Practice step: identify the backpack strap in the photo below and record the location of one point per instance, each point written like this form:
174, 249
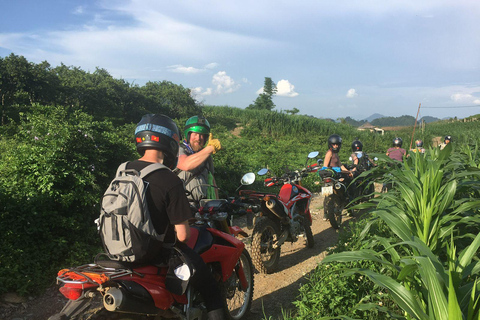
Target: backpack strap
151, 168
121, 167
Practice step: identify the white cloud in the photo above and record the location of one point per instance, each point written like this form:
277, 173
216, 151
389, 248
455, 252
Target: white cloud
462, 97
476, 101
79, 10
200, 92
212, 65
286, 89
178, 68
224, 83
351, 93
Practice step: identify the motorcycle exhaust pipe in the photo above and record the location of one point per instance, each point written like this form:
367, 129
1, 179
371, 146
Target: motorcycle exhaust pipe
277, 209
120, 300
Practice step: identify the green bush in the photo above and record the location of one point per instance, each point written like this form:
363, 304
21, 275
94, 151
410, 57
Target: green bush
328, 295
53, 171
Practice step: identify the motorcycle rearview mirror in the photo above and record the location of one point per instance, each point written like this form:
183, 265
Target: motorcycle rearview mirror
312, 154
320, 161
359, 155
248, 179
262, 172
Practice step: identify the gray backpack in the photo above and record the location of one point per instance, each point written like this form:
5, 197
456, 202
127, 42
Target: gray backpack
125, 226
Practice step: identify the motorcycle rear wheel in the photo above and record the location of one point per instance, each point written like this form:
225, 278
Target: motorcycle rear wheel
237, 300
265, 233
92, 309
333, 210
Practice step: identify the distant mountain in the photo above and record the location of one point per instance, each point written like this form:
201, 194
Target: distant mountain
373, 117
429, 119
394, 121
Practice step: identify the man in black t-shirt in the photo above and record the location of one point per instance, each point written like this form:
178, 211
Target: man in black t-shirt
157, 138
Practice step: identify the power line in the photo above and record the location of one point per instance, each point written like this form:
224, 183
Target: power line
449, 107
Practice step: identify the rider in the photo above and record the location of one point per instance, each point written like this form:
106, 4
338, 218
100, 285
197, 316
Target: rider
360, 159
397, 152
446, 141
157, 138
195, 164
332, 160
419, 146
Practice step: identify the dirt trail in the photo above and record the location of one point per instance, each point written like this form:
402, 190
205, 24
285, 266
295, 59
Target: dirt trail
272, 292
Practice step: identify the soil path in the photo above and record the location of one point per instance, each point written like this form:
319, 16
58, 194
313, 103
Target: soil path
272, 292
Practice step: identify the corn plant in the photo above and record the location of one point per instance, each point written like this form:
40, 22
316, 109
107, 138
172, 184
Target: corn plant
428, 280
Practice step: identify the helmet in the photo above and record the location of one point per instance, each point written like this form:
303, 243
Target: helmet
196, 124
397, 142
157, 131
447, 138
357, 146
419, 143
334, 139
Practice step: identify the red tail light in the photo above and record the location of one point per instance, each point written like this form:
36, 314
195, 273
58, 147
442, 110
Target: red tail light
71, 292
328, 180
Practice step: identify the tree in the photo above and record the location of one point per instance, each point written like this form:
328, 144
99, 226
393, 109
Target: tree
293, 111
264, 99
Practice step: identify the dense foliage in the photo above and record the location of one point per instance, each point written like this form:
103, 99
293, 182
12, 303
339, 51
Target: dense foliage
425, 258
64, 131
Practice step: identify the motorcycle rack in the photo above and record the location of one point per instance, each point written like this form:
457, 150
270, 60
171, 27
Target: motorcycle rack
82, 271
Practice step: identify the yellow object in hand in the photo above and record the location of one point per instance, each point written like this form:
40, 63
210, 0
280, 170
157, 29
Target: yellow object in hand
215, 143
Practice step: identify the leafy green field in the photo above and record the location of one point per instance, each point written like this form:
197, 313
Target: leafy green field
65, 131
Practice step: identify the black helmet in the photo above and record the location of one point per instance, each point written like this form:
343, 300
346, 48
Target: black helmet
397, 142
157, 131
357, 146
334, 139
419, 143
447, 138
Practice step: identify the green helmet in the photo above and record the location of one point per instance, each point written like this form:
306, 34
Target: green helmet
196, 124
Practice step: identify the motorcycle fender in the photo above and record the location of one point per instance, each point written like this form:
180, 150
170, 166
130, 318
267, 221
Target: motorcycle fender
236, 230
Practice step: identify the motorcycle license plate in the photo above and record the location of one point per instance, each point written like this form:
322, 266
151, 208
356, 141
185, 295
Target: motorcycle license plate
326, 191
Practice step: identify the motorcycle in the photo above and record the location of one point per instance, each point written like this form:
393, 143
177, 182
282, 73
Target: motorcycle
283, 217
334, 190
340, 190
113, 289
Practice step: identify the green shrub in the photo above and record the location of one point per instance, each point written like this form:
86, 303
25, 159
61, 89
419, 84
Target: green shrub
53, 171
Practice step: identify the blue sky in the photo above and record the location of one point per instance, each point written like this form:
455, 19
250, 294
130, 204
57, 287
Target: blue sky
329, 59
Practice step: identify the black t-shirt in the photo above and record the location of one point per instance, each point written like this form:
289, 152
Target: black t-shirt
166, 199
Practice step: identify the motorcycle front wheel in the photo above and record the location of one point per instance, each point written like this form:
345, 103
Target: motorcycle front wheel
310, 241
264, 256
333, 210
238, 300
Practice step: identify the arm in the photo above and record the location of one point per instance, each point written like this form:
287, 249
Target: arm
328, 157
183, 231
190, 162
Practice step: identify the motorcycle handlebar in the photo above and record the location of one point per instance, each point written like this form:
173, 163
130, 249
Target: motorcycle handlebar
292, 176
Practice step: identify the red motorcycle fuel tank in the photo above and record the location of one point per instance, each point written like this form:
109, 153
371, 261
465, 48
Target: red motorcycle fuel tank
287, 192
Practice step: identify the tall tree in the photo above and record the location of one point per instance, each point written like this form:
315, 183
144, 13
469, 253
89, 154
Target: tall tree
264, 100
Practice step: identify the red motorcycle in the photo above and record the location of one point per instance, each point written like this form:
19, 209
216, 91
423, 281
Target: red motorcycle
111, 290
283, 217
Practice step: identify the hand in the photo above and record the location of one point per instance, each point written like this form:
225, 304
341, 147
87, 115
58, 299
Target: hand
215, 143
